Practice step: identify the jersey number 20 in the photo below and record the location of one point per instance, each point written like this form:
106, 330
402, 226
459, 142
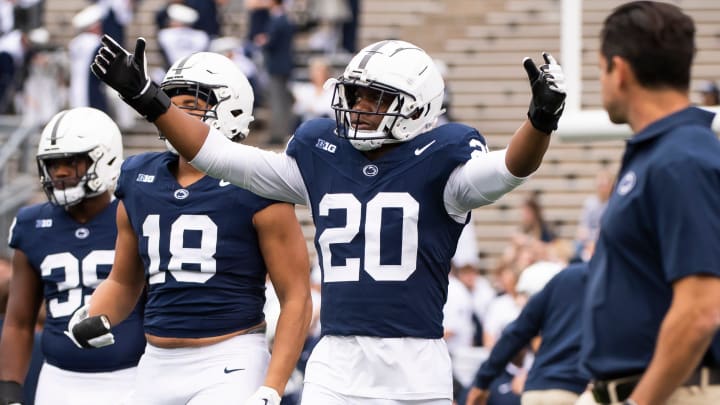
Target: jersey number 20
350, 271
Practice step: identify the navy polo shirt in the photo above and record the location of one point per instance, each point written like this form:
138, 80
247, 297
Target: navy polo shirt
553, 313
662, 223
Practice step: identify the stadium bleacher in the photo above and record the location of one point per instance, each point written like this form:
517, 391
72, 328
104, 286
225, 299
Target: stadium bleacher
482, 44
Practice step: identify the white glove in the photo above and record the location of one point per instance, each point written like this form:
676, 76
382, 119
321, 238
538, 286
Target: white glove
264, 396
89, 332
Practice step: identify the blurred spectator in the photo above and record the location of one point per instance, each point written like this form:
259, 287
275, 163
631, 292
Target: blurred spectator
47, 74
330, 15
15, 50
28, 14
86, 90
350, 27
504, 308
119, 14
207, 20
553, 312
233, 49
179, 39
501, 389
7, 19
463, 328
277, 46
258, 18
710, 94
593, 208
208, 16
161, 15
312, 99
532, 222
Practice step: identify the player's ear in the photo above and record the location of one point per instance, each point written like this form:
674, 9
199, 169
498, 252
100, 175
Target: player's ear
623, 71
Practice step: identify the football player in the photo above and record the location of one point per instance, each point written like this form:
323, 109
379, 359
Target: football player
206, 247
389, 194
63, 249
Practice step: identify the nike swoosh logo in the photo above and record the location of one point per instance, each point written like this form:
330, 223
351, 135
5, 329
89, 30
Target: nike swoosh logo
418, 151
224, 183
232, 370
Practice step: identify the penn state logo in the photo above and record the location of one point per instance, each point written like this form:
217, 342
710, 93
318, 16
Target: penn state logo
370, 170
627, 183
82, 233
181, 194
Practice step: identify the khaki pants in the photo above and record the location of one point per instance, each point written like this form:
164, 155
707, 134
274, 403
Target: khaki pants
694, 395
548, 397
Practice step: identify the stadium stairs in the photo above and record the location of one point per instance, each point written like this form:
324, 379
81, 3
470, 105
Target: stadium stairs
482, 44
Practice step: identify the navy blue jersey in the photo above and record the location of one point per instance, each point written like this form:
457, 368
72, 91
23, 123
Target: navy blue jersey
206, 274
383, 236
72, 259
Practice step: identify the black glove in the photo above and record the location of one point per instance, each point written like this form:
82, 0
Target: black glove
11, 393
127, 73
548, 93
89, 332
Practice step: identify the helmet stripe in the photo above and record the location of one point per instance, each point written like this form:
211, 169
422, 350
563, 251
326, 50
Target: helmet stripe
181, 65
369, 54
53, 136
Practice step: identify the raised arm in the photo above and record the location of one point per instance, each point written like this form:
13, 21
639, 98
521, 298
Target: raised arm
529, 143
484, 179
269, 174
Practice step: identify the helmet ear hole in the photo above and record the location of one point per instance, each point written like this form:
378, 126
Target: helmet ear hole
236, 113
419, 112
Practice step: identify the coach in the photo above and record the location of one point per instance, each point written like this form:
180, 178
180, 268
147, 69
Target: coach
653, 305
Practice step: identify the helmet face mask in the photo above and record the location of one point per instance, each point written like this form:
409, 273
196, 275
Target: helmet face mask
216, 80
204, 97
69, 189
393, 69
85, 143
385, 105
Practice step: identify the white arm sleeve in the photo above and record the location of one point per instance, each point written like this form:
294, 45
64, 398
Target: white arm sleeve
480, 181
269, 174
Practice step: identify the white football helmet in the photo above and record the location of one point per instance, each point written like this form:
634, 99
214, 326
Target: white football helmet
219, 82
401, 70
82, 132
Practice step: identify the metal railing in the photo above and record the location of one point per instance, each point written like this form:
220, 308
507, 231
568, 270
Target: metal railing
18, 178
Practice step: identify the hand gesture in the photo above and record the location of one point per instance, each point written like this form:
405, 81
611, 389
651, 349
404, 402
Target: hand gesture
127, 73
123, 71
89, 332
548, 93
264, 396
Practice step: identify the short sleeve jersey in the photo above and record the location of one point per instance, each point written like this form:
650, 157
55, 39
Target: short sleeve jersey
71, 259
200, 250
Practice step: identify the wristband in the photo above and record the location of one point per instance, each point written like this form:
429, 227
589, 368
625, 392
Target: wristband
151, 103
11, 393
